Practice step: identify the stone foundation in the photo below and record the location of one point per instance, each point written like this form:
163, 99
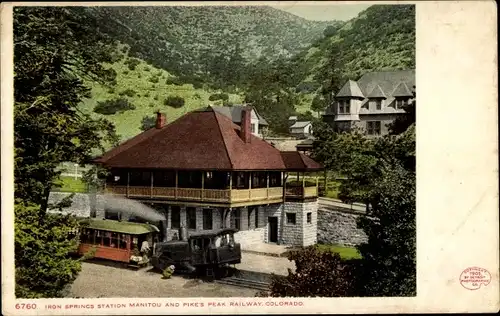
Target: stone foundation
337, 226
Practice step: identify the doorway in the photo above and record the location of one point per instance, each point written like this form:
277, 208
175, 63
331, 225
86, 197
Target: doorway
273, 228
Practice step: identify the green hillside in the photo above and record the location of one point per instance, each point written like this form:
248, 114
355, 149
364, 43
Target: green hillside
381, 38
195, 41
276, 60
148, 88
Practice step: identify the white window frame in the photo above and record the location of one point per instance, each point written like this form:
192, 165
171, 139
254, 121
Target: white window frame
344, 107
374, 127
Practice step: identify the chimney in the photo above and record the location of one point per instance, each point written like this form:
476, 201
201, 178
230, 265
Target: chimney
160, 119
245, 132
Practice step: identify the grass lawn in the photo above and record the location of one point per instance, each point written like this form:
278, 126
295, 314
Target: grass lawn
70, 184
344, 252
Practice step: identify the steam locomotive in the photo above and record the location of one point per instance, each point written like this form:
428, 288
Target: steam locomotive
214, 250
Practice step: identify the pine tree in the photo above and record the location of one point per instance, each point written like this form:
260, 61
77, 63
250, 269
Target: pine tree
56, 51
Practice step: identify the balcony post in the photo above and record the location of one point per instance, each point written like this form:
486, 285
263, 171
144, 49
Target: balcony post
151, 184
250, 185
267, 183
303, 184
128, 181
176, 182
230, 187
202, 183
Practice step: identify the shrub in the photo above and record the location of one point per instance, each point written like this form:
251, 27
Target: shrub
111, 90
313, 268
126, 72
153, 79
110, 107
132, 63
174, 81
146, 94
174, 101
148, 122
146, 68
218, 96
128, 93
156, 98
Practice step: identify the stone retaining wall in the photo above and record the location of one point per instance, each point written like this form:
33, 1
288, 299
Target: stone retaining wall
338, 226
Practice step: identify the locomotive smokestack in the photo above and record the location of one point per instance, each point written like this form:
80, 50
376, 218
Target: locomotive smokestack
163, 229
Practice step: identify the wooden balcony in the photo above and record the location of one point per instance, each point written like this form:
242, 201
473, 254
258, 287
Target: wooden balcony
299, 192
228, 197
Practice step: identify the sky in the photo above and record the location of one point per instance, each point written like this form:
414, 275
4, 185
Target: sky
323, 12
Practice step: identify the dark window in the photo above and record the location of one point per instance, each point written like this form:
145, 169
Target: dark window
216, 180
259, 180
373, 128
237, 219
347, 107
140, 178
378, 104
98, 237
175, 217
309, 217
401, 103
164, 178
189, 179
123, 241
117, 177
191, 217
290, 218
240, 180
253, 128
207, 219
275, 179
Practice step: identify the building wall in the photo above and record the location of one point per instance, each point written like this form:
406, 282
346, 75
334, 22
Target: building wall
301, 233
254, 121
385, 121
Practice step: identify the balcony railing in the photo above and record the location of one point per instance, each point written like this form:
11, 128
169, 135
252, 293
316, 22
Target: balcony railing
301, 192
203, 195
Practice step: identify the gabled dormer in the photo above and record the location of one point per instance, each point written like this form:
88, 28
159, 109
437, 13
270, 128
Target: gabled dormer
401, 95
375, 99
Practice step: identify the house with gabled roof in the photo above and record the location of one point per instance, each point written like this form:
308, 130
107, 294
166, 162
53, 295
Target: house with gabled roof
372, 103
258, 123
205, 172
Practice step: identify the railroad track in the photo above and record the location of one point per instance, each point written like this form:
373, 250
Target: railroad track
247, 283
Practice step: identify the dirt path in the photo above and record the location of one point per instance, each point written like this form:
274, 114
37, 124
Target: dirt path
97, 280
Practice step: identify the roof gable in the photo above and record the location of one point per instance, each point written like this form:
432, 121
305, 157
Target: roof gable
350, 89
300, 124
402, 91
386, 80
376, 93
295, 160
234, 113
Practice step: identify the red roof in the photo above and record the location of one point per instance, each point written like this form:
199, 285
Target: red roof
203, 140
297, 161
